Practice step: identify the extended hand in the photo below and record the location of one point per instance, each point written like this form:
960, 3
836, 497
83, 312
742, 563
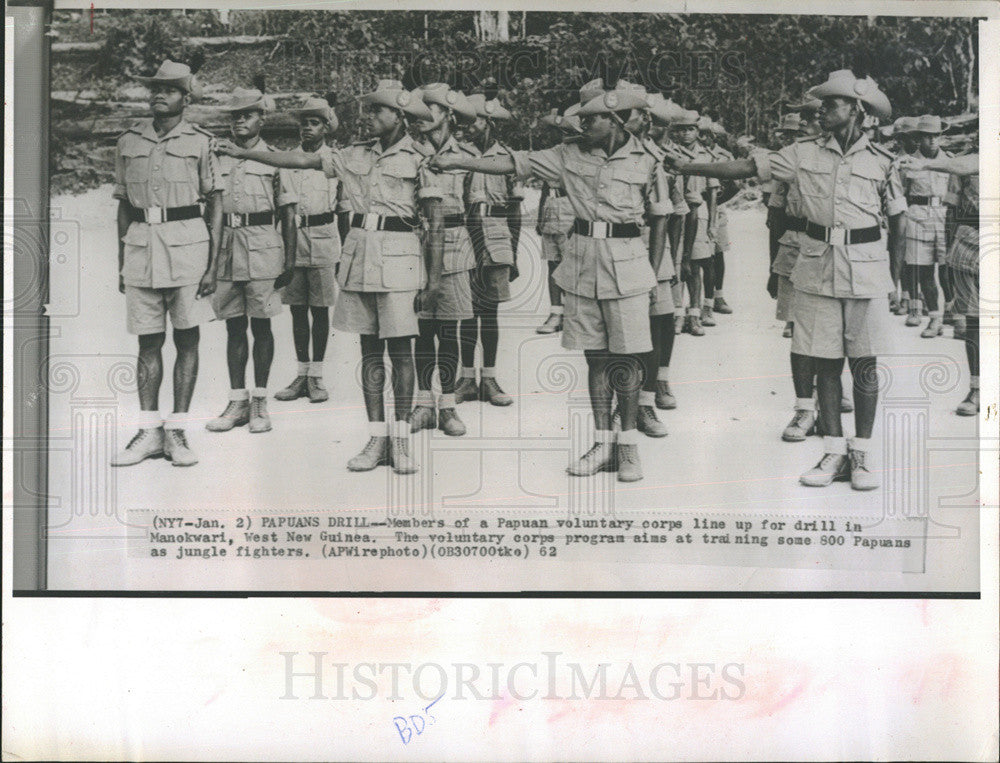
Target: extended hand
908, 162
772, 285
226, 147
442, 163
206, 285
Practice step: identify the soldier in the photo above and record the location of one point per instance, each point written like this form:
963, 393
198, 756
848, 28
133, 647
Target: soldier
611, 181
696, 266
313, 288
962, 199
808, 110
905, 144
498, 212
841, 276
925, 228
166, 254
440, 322
555, 222
712, 137
255, 260
788, 129
381, 269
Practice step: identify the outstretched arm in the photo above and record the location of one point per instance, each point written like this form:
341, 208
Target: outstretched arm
294, 160
489, 165
734, 170
956, 165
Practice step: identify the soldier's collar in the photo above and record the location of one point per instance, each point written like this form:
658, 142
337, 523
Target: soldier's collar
181, 128
404, 142
860, 144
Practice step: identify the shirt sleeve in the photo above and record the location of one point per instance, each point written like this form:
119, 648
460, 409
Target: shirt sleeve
895, 197
475, 188
658, 193
677, 195
427, 183
779, 165
284, 189
121, 191
331, 161
544, 165
779, 195
209, 171
954, 195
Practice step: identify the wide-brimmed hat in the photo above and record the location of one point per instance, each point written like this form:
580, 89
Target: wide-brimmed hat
613, 100
844, 84
442, 95
588, 92
247, 98
705, 123
687, 118
175, 74
928, 123
718, 129
807, 103
491, 109
789, 123
318, 107
391, 93
663, 110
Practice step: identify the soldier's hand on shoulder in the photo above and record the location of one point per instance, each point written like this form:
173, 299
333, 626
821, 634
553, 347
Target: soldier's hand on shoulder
441, 163
908, 162
226, 147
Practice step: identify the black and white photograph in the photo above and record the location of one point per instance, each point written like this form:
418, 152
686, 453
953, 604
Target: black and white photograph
374, 311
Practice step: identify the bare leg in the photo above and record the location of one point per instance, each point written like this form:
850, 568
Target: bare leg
149, 370
185, 367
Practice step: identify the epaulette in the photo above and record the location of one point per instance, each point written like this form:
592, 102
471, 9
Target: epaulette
202, 130
367, 143
878, 149
424, 149
468, 147
807, 138
136, 127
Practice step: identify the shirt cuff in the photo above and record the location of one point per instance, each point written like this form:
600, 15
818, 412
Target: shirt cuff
287, 198
326, 164
120, 193
763, 163
428, 192
522, 163
660, 208
895, 206
681, 208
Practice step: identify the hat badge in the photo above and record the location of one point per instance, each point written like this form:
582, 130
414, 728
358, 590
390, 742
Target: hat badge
403, 99
611, 100
862, 86
489, 107
451, 97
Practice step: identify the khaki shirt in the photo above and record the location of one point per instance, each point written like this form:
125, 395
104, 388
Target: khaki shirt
621, 188
318, 245
963, 195
175, 170
498, 190
253, 252
389, 183
838, 189
925, 183
557, 214
456, 193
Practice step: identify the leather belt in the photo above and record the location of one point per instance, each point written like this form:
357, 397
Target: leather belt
924, 201
600, 229
843, 236
454, 221
372, 222
972, 222
557, 192
795, 223
493, 210
167, 214
247, 219
310, 221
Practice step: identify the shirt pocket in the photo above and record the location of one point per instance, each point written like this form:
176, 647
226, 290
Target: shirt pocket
865, 184
136, 266
633, 273
398, 178
266, 252
497, 238
137, 169
626, 188
259, 186
869, 269
811, 247
401, 262
815, 177
187, 249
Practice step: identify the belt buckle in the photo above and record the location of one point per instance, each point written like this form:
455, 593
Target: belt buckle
935, 201
600, 229
155, 215
303, 221
237, 220
371, 222
836, 236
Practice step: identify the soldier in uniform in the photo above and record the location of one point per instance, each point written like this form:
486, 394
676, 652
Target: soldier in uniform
439, 323
313, 288
905, 144
711, 134
498, 209
255, 260
555, 222
611, 181
841, 276
381, 268
925, 229
788, 129
166, 254
962, 199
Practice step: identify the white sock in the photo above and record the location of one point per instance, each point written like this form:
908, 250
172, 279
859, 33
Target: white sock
468, 373
259, 392
604, 436
303, 368
239, 394
861, 443
663, 373
935, 313
805, 404
423, 398
175, 421
836, 445
488, 373
149, 420
718, 293
693, 311
974, 382
628, 437
315, 368
378, 429
708, 302
557, 309
446, 400
400, 429
647, 398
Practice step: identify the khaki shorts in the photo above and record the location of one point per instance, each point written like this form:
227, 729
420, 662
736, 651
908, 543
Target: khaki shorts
146, 309
832, 327
554, 246
316, 287
966, 286
385, 314
454, 300
254, 299
702, 248
924, 243
490, 283
783, 312
661, 299
620, 326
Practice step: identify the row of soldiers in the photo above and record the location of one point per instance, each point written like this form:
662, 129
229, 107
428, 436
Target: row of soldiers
429, 241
